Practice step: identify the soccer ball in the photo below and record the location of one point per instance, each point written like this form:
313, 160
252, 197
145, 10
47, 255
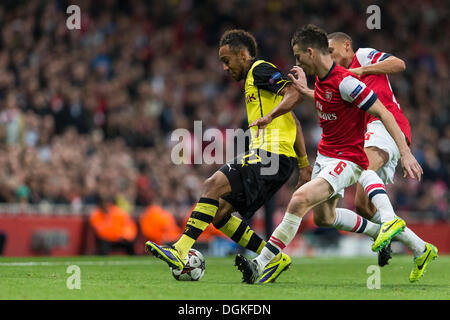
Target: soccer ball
194, 268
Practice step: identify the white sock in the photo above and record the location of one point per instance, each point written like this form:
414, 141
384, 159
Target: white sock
280, 238
412, 241
376, 218
376, 191
407, 237
347, 220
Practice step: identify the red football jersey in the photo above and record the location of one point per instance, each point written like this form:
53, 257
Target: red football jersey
341, 100
382, 87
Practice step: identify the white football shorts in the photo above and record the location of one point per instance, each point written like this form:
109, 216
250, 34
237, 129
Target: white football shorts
339, 173
378, 136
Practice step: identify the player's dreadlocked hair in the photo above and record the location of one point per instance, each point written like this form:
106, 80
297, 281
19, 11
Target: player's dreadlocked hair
310, 36
237, 39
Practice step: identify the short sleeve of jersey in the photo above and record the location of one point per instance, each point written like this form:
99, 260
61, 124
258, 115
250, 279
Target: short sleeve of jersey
268, 77
368, 56
357, 93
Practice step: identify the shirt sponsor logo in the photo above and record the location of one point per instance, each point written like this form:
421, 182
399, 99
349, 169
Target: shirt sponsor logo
318, 105
250, 98
327, 116
323, 115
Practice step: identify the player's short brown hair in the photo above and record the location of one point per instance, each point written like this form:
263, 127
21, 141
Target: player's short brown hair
237, 39
310, 36
340, 36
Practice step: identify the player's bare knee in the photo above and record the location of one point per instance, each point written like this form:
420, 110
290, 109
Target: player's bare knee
377, 157
210, 183
299, 201
213, 186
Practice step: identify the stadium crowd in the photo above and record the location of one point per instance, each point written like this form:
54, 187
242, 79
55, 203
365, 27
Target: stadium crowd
91, 111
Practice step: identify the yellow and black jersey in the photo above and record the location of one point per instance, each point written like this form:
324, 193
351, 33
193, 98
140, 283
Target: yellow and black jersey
263, 85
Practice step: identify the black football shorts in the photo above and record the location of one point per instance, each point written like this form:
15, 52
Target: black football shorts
255, 177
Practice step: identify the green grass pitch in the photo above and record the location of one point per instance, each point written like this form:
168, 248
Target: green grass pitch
146, 278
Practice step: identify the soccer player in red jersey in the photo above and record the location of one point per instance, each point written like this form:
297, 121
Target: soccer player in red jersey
341, 100
373, 67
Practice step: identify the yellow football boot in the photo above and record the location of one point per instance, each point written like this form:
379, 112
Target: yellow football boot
273, 270
388, 230
165, 253
421, 263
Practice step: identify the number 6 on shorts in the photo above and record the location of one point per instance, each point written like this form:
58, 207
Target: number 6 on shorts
340, 167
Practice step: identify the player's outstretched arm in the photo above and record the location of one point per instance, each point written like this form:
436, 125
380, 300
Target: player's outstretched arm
389, 65
291, 98
410, 165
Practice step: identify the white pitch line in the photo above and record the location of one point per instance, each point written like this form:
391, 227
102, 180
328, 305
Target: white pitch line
86, 263
304, 261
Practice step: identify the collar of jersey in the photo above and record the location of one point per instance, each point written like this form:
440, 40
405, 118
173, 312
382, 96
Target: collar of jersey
254, 60
331, 69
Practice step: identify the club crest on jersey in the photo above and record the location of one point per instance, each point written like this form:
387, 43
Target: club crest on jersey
328, 95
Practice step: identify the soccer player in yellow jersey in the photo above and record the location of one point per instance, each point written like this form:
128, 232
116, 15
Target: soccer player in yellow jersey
251, 179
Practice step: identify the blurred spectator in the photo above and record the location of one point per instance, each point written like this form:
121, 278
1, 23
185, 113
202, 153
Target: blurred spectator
81, 109
159, 225
113, 228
